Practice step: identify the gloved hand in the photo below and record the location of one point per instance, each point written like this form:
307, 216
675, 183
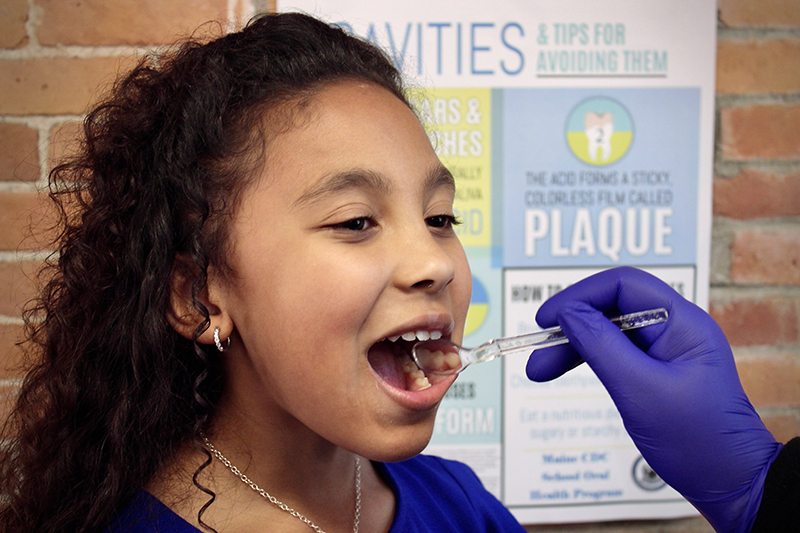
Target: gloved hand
675, 385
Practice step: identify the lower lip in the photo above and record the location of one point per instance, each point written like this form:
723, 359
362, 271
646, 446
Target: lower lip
423, 400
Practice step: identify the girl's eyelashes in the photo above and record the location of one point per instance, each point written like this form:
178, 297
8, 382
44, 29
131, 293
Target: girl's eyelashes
365, 223
443, 221
355, 224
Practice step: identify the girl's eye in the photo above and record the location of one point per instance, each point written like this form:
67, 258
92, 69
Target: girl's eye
355, 224
443, 221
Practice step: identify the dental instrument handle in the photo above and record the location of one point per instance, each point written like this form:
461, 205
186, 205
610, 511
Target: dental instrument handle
553, 337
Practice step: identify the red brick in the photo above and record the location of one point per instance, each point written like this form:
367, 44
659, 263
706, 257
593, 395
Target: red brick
771, 257
64, 140
17, 286
754, 194
13, 14
771, 381
761, 13
53, 86
758, 66
10, 353
124, 22
782, 427
757, 322
24, 221
19, 153
760, 132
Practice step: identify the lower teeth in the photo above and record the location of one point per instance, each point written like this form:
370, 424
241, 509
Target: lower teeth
420, 384
416, 380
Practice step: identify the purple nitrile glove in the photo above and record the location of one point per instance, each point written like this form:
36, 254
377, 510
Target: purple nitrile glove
675, 385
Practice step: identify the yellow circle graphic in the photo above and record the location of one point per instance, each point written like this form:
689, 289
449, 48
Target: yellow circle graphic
478, 307
599, 131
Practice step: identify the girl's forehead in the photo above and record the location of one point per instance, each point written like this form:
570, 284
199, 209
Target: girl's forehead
350, 125
349, 137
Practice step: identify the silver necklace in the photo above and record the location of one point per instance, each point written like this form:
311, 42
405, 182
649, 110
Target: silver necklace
279, 504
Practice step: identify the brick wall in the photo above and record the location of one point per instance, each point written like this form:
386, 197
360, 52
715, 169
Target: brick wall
54, 54
755, 293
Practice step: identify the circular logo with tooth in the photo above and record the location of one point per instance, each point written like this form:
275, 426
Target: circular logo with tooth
645, 477
478, 307
599, 131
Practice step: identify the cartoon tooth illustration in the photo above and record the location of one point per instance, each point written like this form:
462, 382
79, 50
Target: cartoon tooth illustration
590, 126
599, 129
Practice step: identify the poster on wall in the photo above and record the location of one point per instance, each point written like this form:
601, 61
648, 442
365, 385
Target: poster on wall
580, 135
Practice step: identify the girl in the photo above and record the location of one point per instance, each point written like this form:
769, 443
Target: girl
254, 229
254, 233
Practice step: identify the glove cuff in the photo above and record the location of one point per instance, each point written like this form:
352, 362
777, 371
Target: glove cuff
780, 505
737, 513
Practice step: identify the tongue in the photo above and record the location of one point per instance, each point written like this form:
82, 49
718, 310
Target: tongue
387, 365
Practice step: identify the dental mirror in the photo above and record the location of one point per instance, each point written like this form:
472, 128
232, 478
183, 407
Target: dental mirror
444, 358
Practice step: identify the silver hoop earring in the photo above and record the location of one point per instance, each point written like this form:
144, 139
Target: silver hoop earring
220, 347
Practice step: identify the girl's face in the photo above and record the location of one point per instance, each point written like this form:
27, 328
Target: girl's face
345, 241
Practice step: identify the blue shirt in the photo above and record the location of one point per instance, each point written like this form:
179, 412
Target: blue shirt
432, 495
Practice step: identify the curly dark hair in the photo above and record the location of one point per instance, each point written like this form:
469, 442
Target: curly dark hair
114, 391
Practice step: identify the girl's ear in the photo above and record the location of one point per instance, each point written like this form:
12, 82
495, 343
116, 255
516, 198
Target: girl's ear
182, 314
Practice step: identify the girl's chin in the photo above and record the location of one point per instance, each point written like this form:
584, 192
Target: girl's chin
398, 450
392, 439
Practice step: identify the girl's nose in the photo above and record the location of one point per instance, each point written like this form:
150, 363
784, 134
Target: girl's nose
425, 264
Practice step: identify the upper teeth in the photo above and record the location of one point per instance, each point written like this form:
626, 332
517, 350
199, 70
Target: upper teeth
420, 335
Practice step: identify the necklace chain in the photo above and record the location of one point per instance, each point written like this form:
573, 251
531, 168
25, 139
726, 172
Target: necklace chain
279, 504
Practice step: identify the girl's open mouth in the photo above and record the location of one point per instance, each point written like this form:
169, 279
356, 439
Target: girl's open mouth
391, 360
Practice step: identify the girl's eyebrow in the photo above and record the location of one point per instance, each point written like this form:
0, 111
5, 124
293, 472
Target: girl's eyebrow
343, 181
439, 176
339, 182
